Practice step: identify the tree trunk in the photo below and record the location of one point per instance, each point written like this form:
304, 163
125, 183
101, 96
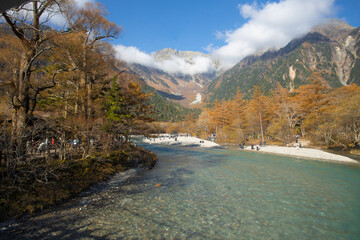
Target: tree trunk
77, 101
261, 127
83, 89
89, 101
21, 104
66, 108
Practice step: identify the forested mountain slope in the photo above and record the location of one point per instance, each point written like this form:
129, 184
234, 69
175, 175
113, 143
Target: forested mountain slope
178, 87
332, 49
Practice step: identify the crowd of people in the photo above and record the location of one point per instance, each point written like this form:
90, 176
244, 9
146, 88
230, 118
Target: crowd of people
48, 144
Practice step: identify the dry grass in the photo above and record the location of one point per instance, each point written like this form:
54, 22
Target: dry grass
30, 191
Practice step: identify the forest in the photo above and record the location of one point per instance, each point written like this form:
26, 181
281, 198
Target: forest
325, 116
68, 107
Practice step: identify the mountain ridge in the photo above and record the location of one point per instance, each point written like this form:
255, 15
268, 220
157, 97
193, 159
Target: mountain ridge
332, 48
177, 87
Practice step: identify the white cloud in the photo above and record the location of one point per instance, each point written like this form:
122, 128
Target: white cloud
271, 26
219, 35
58, 19
209, 48
248, 10
81, 3
52, 15
133, 55
172, 64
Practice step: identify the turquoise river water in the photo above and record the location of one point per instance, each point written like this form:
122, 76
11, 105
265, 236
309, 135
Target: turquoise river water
210, 194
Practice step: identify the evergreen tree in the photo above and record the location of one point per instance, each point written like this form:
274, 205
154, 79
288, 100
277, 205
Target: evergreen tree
127, 111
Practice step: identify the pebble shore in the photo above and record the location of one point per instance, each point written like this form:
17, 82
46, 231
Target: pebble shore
289, 151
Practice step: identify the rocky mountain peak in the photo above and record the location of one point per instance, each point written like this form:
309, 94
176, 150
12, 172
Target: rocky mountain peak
334, 29
168, 53
331, 48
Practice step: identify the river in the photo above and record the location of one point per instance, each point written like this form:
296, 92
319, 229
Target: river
209, 194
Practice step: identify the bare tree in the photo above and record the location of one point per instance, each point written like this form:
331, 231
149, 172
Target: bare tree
29, 77
92, 28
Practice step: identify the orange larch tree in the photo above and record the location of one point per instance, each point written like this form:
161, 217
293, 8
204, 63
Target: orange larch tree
312, 98
91, 27
257, 112
284, 114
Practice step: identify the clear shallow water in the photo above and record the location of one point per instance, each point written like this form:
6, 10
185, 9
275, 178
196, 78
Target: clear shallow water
213, 194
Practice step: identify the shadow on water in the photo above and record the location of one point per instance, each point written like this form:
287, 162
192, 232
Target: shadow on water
73, 219
51, 226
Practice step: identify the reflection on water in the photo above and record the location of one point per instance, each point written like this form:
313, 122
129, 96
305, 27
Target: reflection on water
212, 194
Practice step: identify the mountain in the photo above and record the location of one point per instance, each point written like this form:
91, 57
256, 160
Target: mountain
167, 111
184, 89
332, 49
162, 109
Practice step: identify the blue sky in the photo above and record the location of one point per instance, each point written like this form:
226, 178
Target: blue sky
226, 30
183, 25
151, 25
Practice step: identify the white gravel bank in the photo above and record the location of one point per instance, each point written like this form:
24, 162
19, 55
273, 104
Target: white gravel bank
305, 152
289, 151
181, 140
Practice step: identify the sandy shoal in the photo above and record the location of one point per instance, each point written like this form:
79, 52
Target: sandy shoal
182, 140
309, 153
305, 153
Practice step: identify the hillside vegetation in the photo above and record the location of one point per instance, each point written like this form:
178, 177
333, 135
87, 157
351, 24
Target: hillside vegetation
166, 111
332, 50
325, 116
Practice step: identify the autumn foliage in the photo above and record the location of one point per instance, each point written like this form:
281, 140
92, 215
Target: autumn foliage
65, 105
315, 112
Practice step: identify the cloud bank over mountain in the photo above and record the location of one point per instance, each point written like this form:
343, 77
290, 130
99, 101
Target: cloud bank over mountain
269, 26
173, 64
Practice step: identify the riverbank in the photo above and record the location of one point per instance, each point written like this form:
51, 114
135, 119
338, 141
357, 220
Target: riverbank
64, 179
309, 153
181, 140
